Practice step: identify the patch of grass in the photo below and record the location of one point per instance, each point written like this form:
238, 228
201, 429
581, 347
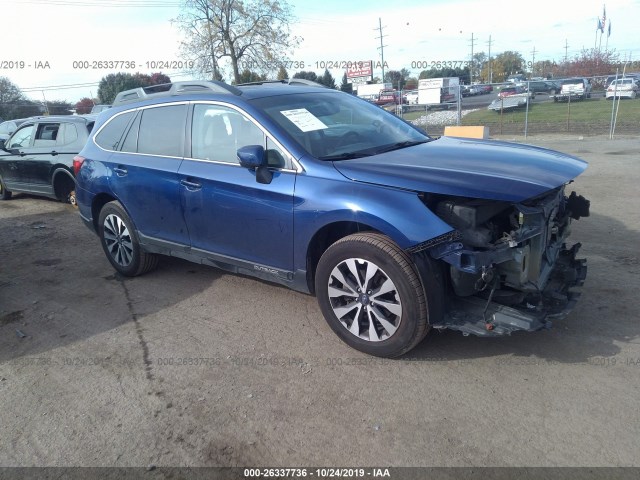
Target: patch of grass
591, 115
410, 116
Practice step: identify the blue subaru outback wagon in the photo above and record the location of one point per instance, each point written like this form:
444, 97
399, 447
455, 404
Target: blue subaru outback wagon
394, 231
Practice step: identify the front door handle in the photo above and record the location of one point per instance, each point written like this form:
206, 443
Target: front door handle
54, 153
191, 185
120, 171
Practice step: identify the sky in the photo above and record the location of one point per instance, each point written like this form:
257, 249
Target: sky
49, 40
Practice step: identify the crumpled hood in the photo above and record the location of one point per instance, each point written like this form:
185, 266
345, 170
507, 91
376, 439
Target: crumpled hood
468, 168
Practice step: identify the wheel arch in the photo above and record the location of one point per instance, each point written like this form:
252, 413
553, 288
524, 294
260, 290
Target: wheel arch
63, 182
99, 201
326, 236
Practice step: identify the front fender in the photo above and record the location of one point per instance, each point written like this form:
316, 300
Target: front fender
399, 214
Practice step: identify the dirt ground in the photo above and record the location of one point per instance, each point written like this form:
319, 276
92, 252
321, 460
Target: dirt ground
190, 366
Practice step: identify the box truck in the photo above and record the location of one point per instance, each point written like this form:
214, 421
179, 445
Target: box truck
433, 91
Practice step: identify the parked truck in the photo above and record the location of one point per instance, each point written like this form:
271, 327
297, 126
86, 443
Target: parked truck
435, 91
371, 91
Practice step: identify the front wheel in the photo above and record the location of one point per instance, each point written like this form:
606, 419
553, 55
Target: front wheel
371, 295
120, 242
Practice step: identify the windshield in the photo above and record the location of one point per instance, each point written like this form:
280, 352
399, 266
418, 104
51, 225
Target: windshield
333, 126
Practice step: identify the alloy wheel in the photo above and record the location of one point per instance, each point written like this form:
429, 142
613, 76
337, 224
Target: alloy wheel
364, 299
118, 240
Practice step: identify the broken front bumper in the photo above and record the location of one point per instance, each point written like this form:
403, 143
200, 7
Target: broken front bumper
483, 317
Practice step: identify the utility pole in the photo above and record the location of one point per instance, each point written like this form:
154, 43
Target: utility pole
533, 62
490, 72
473, 42
381, 47
566, 48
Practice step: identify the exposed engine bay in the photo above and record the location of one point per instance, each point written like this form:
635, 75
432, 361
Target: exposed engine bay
508, 265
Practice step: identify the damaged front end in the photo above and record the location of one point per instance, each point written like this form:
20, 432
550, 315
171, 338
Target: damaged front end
508, 267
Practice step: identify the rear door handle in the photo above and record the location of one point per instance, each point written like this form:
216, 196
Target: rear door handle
120, 171
191, 185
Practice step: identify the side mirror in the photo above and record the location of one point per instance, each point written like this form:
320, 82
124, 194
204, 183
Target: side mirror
2, 142
254, 158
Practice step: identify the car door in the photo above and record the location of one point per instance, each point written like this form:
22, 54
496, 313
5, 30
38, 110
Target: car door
144, 170
227, 211
35, 166
11, 162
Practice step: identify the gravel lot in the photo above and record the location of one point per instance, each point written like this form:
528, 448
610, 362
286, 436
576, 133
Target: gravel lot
189, 366
440, 119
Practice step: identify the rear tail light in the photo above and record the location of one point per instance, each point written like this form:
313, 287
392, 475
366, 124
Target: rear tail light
77, 164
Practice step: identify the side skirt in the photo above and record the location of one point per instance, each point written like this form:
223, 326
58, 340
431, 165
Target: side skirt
295, 281
32, 188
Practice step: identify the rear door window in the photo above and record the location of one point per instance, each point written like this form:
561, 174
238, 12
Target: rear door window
67, 134
162, 131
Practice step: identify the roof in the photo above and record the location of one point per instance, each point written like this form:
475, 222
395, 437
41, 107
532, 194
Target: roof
61, 118
189, 89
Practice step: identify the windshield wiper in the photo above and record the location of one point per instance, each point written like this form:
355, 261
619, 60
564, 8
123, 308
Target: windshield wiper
345, 156
399, 145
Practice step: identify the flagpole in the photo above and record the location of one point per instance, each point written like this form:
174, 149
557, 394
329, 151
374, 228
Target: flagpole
600, 45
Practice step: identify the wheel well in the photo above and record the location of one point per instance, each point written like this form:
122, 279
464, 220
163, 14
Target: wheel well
63, 184
324, 238
98, 202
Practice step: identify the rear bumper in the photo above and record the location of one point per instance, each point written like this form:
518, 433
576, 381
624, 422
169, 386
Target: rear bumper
88, 222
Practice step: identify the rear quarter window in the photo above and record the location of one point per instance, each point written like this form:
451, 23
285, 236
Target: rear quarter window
110, 134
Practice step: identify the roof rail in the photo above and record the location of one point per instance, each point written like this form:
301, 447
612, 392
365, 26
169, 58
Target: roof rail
175, 88
286, 81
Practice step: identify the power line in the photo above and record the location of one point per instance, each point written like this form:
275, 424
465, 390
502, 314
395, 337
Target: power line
106, 3
59, 87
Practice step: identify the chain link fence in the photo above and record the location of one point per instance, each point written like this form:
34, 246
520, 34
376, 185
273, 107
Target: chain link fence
587, 106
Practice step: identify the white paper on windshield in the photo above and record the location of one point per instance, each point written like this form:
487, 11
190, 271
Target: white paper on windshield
304, 119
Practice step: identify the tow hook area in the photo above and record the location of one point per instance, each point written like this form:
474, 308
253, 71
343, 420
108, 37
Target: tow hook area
485, 317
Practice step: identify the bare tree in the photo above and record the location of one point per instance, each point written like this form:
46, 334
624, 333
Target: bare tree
251, 34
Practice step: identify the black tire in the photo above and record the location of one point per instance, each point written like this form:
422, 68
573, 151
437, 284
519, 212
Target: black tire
120, 243
407, 297
4, 193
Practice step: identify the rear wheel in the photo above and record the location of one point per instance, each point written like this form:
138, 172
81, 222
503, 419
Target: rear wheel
120, 242
4, 193
371, 295
71, 198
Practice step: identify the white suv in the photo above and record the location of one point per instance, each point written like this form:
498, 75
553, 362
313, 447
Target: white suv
574, 88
